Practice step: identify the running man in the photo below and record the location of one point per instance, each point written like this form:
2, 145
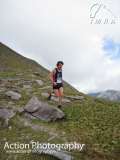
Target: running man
57, 81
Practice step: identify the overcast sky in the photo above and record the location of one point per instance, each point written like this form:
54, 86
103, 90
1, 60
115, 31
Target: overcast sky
52, 30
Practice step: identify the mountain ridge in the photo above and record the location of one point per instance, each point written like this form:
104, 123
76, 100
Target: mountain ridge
110, 94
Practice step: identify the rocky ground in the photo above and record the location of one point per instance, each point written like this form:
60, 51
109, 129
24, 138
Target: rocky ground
26, 114
28, 101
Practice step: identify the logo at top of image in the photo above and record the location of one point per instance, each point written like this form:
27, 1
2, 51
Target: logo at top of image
102, 14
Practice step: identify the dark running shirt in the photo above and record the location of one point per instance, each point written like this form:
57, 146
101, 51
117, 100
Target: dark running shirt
57, 76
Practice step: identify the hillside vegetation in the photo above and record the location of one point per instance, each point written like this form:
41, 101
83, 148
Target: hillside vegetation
89, 121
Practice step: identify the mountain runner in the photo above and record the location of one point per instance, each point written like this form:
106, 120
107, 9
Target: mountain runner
57, 82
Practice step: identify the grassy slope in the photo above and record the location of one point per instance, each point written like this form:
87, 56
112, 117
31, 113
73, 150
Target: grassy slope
12, 63
91, 121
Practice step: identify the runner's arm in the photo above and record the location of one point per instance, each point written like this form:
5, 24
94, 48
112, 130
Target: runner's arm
51, 75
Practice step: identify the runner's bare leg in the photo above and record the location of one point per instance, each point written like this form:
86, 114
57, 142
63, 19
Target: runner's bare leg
60, 95
56, 91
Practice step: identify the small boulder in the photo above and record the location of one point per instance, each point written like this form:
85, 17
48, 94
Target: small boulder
54, 98
60, 154
39, 82
13, 95
42, 110
64, 100
6, 115
33, 105
48, 113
